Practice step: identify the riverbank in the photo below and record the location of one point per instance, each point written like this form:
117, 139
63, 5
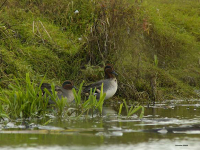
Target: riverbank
152, 44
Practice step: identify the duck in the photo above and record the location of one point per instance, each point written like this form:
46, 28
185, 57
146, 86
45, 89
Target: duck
64, 91
109, 84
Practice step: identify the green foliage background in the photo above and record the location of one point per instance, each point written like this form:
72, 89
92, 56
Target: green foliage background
48, 37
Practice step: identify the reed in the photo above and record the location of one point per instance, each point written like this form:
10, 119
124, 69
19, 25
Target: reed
91, 103
27, 100
132, 109
24, 101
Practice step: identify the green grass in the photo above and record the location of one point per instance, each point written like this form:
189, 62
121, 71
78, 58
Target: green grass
132, 110
173, 28
60, 104
91, 103
32, 43
24, 101
28, 101
141, 39
173, 32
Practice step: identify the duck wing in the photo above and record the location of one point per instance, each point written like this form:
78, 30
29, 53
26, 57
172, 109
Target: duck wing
48, 87
92, 86
58, 89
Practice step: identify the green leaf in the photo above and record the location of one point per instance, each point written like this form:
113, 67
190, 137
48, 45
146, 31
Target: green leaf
120, 109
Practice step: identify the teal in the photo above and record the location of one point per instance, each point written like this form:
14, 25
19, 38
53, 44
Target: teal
109, 83
64, 91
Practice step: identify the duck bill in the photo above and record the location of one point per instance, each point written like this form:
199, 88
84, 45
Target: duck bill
114, 73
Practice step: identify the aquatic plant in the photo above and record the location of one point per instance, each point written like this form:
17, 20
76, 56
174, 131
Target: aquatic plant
24, 101
60, 104
91, 103
77, 96
132, 109
120, 109
29, 101
2, 112
99, 104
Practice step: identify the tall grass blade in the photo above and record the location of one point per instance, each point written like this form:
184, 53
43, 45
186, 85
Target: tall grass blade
101, 100
120, 109
126, 106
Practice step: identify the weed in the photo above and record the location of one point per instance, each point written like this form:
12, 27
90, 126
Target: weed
58, 38
29, 101
91, 103
156, 60
120, 109
60, 103
133, 109
24, 102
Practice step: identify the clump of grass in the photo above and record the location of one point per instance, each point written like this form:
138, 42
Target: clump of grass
77, 96
91, 103
24, 102
60, 104
99, 104
94, 103
2, 112
133, 109
27, 100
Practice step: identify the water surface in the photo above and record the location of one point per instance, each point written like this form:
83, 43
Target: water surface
174, 124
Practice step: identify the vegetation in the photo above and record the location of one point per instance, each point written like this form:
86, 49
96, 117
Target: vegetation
24, 102
31, 102
131, 110
153, 44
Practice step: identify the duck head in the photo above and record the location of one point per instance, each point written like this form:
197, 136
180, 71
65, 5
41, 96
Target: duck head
109, 72
68, 85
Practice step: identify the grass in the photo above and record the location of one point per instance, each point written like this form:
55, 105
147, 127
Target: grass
27, 39
177, 29
24, 101
140, 38
131, 110
60, 104
29, 101
91, 103
164, 29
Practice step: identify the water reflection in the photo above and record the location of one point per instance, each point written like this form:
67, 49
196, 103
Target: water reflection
170, 125
172, 144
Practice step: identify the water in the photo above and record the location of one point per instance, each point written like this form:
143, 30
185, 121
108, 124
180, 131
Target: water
174, 124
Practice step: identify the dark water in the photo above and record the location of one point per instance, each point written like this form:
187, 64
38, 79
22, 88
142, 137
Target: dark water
169, 125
